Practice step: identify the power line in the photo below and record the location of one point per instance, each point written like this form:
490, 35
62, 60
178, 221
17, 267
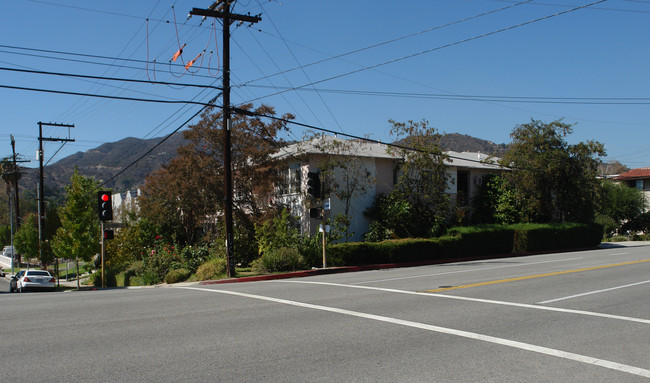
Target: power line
481, 98
365, 139
87, 56
108, 78
103, 96
392, 40
208, 104
302, 68
438, 48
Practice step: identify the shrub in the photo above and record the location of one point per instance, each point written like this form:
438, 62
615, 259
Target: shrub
194, 256
638, 223
468, 242
212, 269
178, 275
109, 277
484, 239
279, 232
159, 262
282, 259
609, 224
536, 237
311, 250
393, 251
132, 271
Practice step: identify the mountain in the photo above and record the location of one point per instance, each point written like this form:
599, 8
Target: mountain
105, 161
464, 143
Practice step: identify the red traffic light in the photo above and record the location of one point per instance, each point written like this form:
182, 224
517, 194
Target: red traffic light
105, 205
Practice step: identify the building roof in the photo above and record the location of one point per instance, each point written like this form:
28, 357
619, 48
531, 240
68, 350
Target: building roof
634, 174
328, 145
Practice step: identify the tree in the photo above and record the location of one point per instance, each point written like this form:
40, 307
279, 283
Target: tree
131, 243
496, 202
612, 167
618, 203
554, 181
26, 238
423, 176
344, 174
187, 194
78, 237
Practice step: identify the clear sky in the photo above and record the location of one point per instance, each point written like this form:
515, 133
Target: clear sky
476, 67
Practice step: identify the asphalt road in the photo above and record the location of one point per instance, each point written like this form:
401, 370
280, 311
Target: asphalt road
568, 317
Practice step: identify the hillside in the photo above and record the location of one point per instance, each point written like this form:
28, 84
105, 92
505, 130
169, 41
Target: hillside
464, 143
108, 159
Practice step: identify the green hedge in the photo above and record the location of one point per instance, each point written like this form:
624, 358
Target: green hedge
537, 237
465, 242
392, 251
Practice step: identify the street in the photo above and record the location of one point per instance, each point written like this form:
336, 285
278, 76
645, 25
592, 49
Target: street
579, 316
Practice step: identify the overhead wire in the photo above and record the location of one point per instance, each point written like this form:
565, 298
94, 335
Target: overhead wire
302, 68
369, 140
108, 78
458, 42
208, 104
390, 41
101, 95
483, 98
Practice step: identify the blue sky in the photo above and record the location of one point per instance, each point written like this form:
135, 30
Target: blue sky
476, 67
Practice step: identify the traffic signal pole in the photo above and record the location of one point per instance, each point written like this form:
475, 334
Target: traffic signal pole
221, 9
105, 211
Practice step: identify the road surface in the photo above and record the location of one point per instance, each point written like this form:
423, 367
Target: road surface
567, 317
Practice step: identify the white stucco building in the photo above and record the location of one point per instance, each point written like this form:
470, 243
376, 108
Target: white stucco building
372, 168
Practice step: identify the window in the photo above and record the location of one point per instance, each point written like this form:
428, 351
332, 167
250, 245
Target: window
462, 188
291, 180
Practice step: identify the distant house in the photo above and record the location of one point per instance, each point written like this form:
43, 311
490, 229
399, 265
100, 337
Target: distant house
374, 170
124, 203
638, 178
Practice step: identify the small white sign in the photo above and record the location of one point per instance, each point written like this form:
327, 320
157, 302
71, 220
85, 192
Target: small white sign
326, 204
320, 228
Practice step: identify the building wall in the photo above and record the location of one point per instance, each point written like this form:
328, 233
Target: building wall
382, 172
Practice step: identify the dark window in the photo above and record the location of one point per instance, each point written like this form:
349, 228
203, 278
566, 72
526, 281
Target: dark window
462, 188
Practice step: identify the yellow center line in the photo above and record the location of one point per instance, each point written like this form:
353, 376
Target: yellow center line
534, 276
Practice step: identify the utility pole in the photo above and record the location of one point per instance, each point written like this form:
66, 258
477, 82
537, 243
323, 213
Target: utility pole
16, 175
221, 9
41, 195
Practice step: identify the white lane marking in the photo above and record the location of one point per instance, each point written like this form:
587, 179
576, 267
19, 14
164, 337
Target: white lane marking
462, 271
614, 254
592, 292
444, 330
503, 303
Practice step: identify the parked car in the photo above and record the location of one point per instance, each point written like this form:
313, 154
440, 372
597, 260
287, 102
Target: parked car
13, 284
35, 280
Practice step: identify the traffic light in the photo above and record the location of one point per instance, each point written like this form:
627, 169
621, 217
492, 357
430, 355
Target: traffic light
105, 204
313, 184
109, 234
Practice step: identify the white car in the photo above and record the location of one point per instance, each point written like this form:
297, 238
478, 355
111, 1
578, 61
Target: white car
36, 280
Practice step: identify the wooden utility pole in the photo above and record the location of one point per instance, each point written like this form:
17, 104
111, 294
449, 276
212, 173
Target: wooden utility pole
221, 9
16, 176
41, 195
